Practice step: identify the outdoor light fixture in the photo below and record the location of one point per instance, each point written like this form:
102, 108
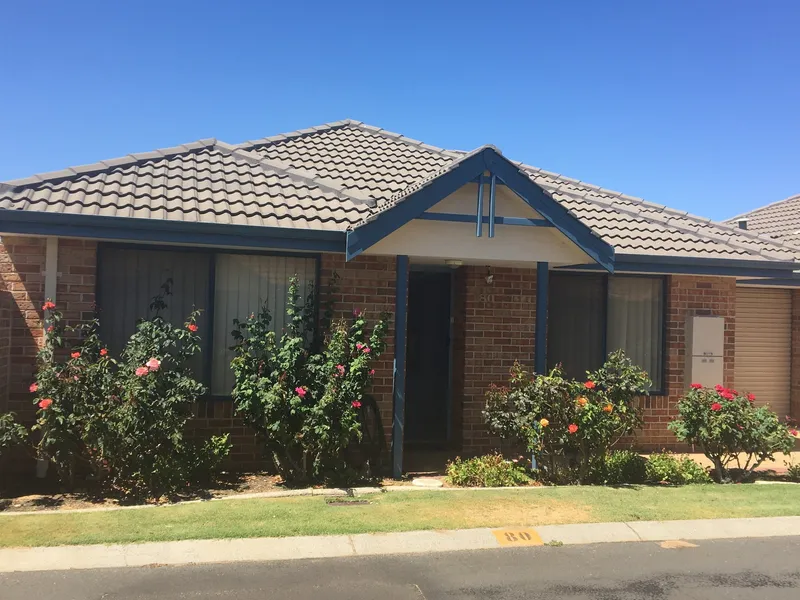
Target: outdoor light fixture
489, 276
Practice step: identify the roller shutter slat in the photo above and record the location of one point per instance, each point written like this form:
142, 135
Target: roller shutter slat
763, 345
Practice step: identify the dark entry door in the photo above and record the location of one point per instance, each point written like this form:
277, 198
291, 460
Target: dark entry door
428, 357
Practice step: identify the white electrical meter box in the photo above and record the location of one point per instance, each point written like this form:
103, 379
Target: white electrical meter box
705, 342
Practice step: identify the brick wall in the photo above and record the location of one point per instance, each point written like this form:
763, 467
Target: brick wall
367, 283
5, 347
500, 324
687, 296
795, 383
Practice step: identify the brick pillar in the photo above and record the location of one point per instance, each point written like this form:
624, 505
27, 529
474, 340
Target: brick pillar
687, 296
500, 321
367, 283
795, 377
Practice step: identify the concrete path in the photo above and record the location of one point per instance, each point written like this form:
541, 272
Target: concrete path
751, 569
278, 549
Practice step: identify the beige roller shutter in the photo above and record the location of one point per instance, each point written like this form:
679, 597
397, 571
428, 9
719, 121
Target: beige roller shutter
763, 345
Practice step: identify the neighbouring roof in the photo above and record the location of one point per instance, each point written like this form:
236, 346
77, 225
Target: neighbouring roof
337, 175
779, 220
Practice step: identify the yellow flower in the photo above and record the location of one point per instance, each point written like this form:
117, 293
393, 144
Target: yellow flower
582, 401
608, 408
544, 422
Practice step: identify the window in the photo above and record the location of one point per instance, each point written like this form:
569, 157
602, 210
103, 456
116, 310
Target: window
592, 315
224, 285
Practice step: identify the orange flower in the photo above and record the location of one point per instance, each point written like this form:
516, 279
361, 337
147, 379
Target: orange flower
45, 403
608, 408
75, 355
582, 401
572, 428
544, 422
589, 385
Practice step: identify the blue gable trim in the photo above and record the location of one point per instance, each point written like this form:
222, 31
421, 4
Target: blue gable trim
466, 171
163, 231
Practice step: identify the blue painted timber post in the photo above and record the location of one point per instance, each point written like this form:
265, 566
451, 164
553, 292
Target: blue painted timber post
540, 342
399, 412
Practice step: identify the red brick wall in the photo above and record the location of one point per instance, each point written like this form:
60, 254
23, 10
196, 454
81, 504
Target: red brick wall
367, 283
5, 347
687, 296
795, 391
500, 324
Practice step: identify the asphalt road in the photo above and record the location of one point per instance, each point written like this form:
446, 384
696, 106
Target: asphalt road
765, 569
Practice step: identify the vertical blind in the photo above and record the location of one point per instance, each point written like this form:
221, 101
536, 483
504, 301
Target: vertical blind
592, 315
243, 283
575, 326
130, 277
635, 322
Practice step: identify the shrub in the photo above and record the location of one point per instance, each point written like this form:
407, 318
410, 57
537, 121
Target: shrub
568, 426
665, 467
11, 432
726, 424
793, 472
624, 466
302, 392
491, 470
124, 419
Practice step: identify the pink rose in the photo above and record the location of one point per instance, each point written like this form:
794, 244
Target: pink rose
301, 391
356, 404
340, 368
372, 372
33, 388
141, 371
153, 364
367, 350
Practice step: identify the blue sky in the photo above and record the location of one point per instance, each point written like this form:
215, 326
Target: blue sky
686, 103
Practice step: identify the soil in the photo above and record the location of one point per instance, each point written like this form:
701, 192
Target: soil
45, 495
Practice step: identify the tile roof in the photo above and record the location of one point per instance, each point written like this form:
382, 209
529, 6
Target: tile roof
337, 175
206, 181
779, 220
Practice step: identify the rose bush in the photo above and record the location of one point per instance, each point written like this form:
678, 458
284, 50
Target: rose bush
302, 390
123, 420
11, 433
730, 430
569, 426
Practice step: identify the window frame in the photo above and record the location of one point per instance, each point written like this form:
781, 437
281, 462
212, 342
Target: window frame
214, 252
662, 390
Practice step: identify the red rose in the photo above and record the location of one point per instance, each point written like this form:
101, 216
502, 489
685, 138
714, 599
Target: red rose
45, 403
696, 386
49, 305
103, 352
192, 327
716, 406
751, 397
572, 428
75, 355
589, 385
356, 404
727, 395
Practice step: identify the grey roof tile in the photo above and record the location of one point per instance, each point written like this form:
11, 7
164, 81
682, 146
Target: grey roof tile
337, 175
779, 220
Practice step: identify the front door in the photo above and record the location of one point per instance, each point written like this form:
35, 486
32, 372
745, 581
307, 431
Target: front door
428, 357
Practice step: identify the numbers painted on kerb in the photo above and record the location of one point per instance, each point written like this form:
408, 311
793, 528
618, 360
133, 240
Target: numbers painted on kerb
513, 536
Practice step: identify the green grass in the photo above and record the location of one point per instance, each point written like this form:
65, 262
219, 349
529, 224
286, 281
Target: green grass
399, 511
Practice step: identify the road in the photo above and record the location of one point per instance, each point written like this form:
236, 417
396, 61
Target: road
765, 569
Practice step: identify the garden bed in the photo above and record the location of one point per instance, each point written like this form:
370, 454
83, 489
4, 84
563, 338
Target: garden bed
44, 495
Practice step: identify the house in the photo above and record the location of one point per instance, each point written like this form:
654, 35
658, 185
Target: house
482, 260
779, 220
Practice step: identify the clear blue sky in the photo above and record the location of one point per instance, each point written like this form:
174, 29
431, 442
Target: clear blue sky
694, 104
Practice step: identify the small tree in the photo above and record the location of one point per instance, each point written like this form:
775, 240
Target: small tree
728, 426
301, 392
569, 426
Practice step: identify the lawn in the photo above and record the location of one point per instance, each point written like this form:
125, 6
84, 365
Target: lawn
399, 511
